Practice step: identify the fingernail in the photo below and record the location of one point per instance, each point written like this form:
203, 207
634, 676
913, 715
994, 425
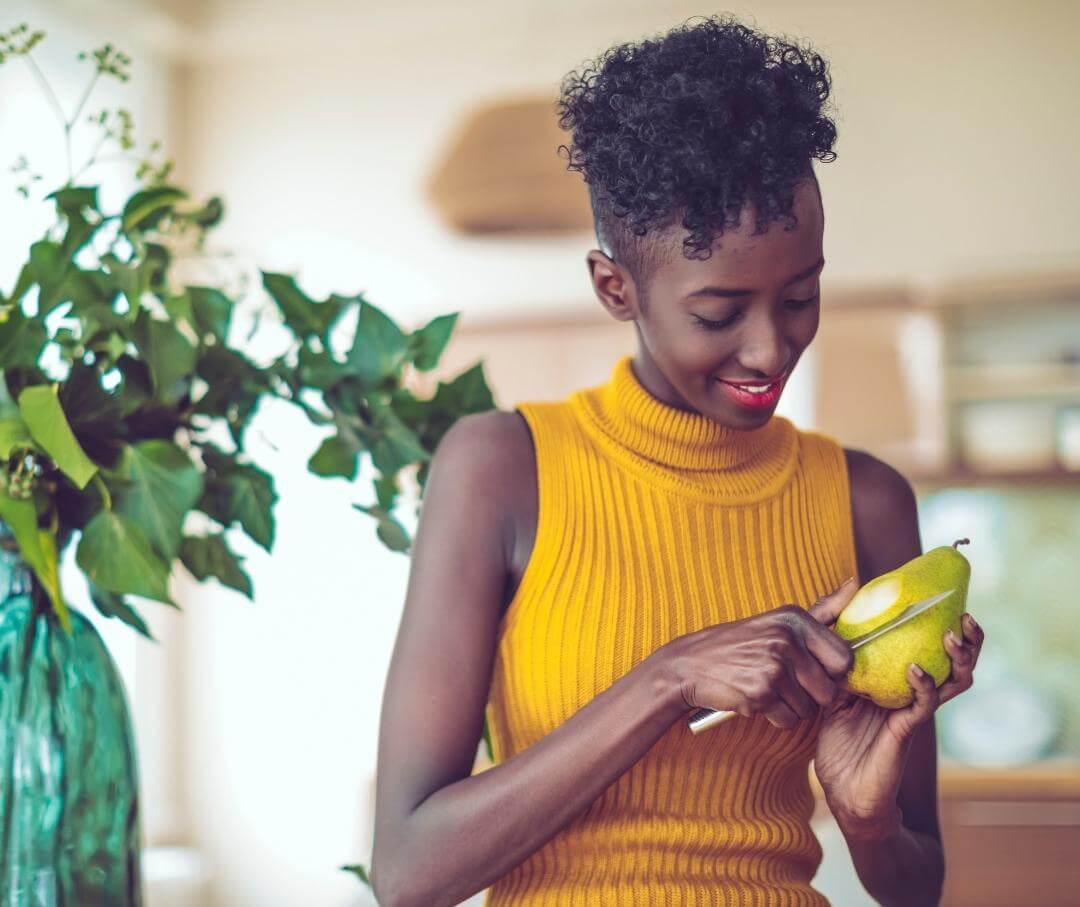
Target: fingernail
919, 672
952, 637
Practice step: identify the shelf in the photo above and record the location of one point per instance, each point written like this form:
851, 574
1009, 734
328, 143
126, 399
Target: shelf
1018, 381
965, 477
1050, 780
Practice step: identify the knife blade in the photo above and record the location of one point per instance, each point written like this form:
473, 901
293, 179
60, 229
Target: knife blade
706, 718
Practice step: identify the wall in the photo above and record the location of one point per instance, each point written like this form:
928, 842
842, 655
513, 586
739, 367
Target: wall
318, 122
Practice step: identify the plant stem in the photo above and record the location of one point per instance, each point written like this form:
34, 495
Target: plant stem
51, 95
93, 157
46, 87
106, 497
85, 97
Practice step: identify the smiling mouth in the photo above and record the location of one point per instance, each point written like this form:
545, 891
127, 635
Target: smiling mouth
756, 395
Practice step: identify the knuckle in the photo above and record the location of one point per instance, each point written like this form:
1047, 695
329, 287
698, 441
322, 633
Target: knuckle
778, 643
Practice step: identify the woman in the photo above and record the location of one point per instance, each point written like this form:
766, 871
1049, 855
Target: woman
592, 570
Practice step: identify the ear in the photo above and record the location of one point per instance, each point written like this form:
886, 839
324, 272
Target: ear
613, 286
827, 608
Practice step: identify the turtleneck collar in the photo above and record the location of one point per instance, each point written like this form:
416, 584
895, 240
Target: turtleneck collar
686, 450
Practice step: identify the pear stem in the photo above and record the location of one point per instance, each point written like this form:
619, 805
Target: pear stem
961, 542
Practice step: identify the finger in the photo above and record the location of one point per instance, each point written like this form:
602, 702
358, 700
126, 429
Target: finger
780, 715
904, 721
963, 656
973, 633
795, 696
812, 677
828, 607
832, 653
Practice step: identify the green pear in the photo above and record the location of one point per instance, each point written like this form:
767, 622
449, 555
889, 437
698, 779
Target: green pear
880, 668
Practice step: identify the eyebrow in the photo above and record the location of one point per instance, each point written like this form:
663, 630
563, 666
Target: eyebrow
727, 293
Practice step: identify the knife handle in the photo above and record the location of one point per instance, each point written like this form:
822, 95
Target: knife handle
706, 718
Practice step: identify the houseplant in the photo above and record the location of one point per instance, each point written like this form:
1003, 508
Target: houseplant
124, 408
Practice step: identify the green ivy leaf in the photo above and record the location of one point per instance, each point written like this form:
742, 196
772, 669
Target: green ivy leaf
167, 352
379, 347
390, 532
335, 457
146, 208
231, 378
44, 417
71, 204
303, 315
234, 387
211, 311
21, 340
38, 548
210, 556
23, 283
160, 484
392, 443
156, 260
235, 492
50, 271
386, 491
112, 605
467, 393
136, 387
115, 555
359, 871
318, 370
13, 433
427, 344
131, 279
90, 405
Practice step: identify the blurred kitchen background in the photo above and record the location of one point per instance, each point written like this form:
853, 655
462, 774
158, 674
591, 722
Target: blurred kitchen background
407, 151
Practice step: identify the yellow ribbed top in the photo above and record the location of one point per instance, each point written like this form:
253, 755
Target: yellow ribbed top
654, 522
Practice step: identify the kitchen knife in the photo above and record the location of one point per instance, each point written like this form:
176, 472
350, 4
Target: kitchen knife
706, 718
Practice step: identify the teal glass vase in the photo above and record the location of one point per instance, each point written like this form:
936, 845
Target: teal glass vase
68, 773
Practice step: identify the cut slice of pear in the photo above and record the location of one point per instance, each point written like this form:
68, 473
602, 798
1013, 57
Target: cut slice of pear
875, 599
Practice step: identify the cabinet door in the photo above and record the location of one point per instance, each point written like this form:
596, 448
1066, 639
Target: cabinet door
879, 383
1008, 853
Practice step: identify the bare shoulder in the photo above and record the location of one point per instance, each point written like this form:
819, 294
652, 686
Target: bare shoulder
490, 461
493, 434
494, 446
878, 490
884, 514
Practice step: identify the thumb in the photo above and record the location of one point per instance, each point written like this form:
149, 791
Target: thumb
827, 608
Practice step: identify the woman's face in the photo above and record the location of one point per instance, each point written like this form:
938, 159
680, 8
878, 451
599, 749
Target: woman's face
698, 339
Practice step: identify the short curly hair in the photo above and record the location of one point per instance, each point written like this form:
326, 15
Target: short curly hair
697, 123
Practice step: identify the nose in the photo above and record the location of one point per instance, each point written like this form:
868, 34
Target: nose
764, 351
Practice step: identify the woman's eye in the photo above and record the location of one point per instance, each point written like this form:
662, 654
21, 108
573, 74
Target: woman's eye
711, 325
798, 304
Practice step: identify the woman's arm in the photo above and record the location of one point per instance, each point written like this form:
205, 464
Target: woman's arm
904, 862
441, 835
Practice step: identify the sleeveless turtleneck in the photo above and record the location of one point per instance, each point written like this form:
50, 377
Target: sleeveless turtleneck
654, 522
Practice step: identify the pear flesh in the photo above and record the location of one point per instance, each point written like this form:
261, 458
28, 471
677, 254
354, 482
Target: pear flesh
880, 668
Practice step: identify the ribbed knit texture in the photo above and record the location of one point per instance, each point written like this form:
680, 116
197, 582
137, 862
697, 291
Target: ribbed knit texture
654, 522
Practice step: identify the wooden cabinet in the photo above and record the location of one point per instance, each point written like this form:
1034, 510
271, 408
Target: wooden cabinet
967, 381
1011, 837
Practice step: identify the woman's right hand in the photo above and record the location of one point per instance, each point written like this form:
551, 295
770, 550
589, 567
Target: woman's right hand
783, 663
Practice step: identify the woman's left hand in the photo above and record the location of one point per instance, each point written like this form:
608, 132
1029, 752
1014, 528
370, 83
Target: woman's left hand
862, 748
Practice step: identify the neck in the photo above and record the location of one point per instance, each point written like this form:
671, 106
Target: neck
683, 445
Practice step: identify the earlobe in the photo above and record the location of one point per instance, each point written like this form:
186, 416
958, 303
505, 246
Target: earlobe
612, 288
